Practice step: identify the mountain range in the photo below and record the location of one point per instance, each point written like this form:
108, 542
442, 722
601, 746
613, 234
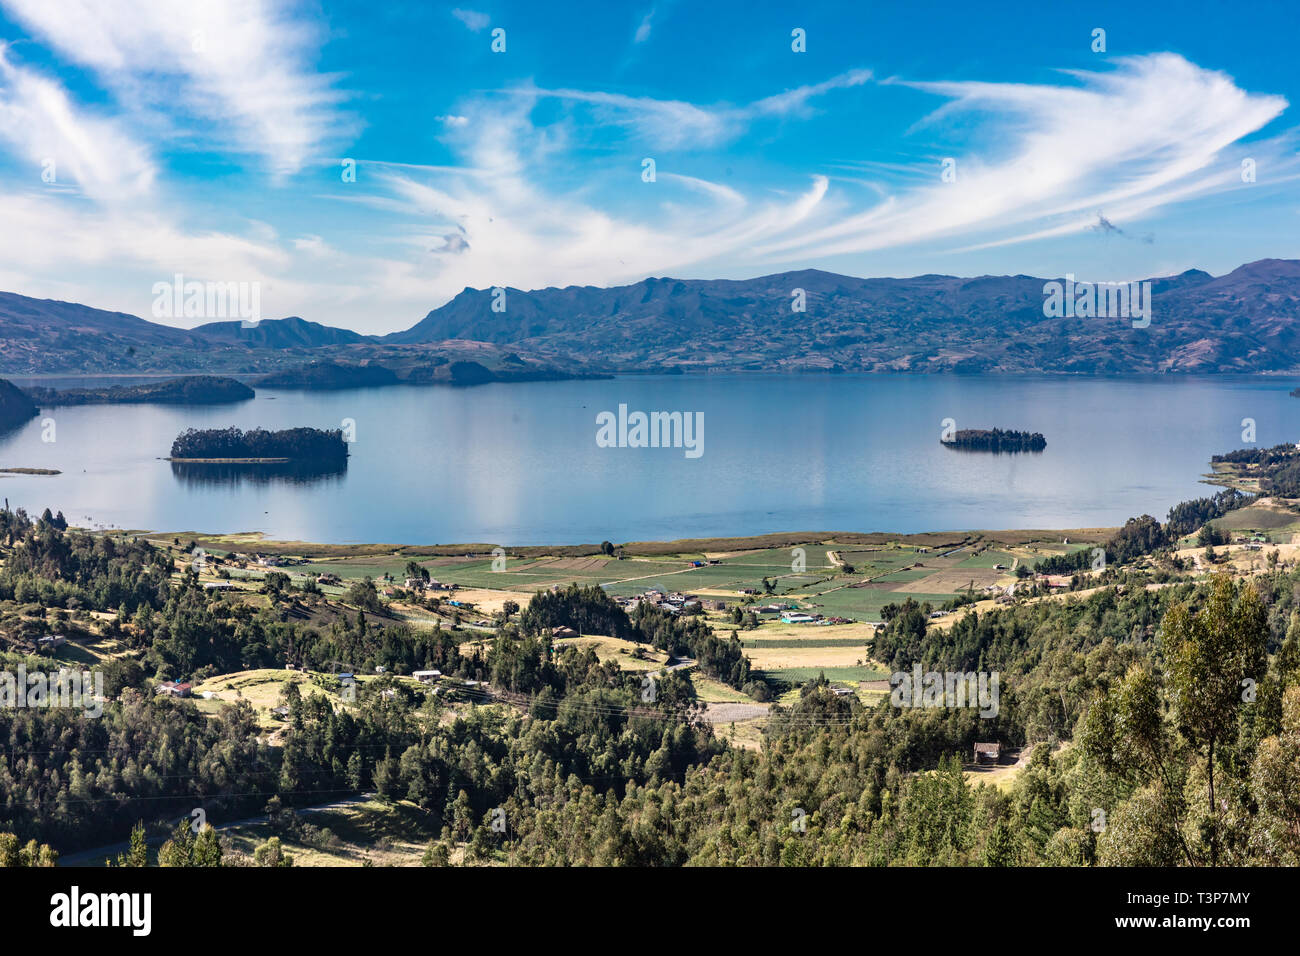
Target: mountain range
1244, 321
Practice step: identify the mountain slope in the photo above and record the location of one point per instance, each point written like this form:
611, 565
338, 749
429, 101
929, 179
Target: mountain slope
45, 335
1243, 321
292, 332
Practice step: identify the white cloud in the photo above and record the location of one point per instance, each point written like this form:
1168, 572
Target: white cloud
1149, 133
243, 64
672, 123
643, 30
39, 121
472, 18
499, 225
1154, 131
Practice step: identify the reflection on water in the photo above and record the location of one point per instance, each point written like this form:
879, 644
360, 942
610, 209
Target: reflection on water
967, 450
236, 474
520, 464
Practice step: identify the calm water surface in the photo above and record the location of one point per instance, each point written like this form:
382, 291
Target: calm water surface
519, 463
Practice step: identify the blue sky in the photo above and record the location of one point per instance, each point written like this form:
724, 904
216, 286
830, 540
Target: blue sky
148, 138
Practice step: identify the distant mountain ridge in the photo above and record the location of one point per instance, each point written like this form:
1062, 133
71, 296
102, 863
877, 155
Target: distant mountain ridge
43, 336
1244, 321
280, 333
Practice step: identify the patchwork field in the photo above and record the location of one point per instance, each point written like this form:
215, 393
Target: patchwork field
951, 581
800, 675
864, 604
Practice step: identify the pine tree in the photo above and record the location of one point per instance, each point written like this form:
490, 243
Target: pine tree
137, 853
207, 848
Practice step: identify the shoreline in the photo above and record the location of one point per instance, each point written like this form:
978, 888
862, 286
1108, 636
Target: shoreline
233, 461
928, 539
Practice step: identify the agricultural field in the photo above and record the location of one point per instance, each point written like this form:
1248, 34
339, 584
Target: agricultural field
849, 674
1266, 516
886, 570
864, 604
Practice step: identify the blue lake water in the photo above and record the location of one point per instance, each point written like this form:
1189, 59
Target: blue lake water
520, 464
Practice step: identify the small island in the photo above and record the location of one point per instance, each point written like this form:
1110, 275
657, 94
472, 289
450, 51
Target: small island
259, 446
996, 440
189, 390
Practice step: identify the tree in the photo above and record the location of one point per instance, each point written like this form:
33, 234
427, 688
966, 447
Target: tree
1282, 674
417, 571
364, 595
1001, 847
436, 854
1211, 656
277, 583
271, 853
1275, 783
387, 777
179, 850
137, 853
207, 848
607, 547
1125, 734
273, 809
12, 854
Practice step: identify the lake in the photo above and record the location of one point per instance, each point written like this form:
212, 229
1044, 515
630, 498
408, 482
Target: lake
520, 463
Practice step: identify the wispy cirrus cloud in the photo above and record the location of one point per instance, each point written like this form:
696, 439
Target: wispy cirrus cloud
243, 65
515, 196
40, 121
644, 27
1154, 131
673, 123
107, 210
1056, 159
493, 222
